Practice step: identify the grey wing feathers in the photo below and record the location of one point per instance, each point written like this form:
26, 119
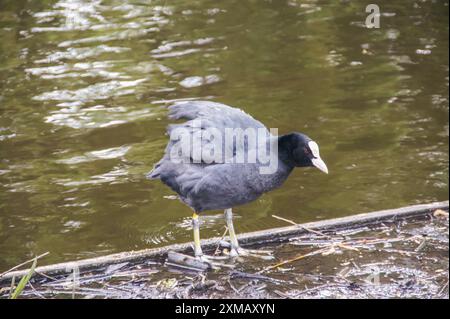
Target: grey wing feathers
189, 178
219, 115
212, 115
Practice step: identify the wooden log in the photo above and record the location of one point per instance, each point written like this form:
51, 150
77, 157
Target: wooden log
263, 237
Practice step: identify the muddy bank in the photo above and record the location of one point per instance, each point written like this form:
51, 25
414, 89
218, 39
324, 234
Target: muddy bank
397, 257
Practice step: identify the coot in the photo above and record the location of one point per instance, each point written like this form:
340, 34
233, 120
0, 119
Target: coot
209, 172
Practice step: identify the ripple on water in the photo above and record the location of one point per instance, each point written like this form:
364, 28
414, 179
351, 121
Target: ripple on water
115, 36
97, 116
195, 81
98, 91
78, 70
81, 53
115, 176
168, 49
110, 153
71, 15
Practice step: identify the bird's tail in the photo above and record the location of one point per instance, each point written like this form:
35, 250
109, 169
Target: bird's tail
155, 172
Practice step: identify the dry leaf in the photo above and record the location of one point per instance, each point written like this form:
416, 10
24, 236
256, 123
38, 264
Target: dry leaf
440, 213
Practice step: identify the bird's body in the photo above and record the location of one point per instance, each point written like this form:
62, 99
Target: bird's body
218, 185
206, 182
221, 186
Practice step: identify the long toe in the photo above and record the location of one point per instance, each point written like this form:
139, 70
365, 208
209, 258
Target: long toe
242, 252
198, 263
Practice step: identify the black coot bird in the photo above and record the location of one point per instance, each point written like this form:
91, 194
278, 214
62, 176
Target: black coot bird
205, 183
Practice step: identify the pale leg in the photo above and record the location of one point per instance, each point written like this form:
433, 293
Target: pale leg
198, 252
236, 250
197, 245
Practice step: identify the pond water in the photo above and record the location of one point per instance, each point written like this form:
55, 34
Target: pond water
84, 86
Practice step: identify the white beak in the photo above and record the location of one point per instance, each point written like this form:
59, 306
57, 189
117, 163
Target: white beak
320, 164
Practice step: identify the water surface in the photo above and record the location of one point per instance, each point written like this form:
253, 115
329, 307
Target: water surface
84, 86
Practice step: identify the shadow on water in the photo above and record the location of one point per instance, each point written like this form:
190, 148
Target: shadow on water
84, 85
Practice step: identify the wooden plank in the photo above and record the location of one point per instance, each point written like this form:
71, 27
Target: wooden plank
274, 235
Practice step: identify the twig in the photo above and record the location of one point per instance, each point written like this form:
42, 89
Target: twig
301, 226
36, 292
282, 294
443, 288
356, 266
244, 275
421, 245
24, 263
132, 273
45, 275
234, 289
315, 252
216, 252
346, 246
310, 290
118, 288
354, 244
13, 284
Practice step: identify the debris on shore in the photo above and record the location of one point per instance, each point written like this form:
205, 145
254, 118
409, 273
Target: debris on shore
392, 259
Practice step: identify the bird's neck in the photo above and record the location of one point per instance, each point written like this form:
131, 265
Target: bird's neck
285, 147
278, 173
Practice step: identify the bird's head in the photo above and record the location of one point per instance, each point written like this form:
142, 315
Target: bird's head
301, 151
